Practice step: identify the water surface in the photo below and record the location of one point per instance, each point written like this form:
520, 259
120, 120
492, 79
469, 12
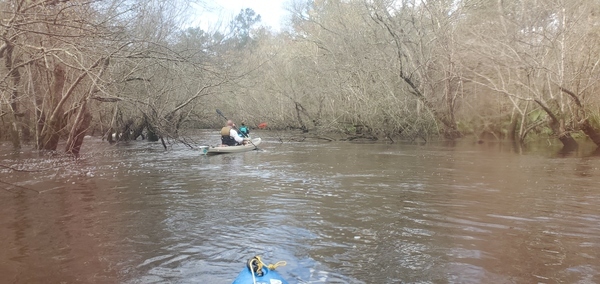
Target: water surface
335, 212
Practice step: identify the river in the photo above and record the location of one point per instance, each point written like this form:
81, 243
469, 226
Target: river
336, 212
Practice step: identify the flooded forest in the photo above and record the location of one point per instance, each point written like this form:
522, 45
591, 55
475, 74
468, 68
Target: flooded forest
475, 128
357, 69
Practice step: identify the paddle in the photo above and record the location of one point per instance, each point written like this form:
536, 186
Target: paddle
236, 129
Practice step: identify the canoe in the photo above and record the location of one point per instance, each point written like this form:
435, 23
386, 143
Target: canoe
257, 271
215, 150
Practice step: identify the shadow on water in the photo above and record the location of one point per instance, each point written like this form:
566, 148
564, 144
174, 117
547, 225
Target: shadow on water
584, 150
568, 151
594, 153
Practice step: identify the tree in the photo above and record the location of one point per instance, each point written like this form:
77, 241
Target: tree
62, 55
422, 35
534, 52
242, 25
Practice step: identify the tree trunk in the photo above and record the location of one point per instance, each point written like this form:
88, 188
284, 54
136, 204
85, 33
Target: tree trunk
138, 128
152, 137
39, 116
568, 142
82, 123
14, 134
512, 129
50, 132
15, 76
300, 109
584, 123
558, 128
450, 129
590, 131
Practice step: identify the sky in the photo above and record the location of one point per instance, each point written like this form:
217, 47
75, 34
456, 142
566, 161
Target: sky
272, 12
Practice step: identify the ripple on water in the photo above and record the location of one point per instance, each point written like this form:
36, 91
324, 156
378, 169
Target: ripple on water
336, 212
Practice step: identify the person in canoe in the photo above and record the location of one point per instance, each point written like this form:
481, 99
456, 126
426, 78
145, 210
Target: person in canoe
229, 136
244, 130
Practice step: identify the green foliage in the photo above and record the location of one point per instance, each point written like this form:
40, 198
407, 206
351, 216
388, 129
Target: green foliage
537, 114
466, 127
350, 128
545, 130
594, 120
578, 134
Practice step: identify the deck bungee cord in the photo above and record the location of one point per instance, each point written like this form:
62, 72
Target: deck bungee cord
259, 271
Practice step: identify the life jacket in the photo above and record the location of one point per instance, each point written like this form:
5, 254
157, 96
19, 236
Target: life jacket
225, 138
225, 131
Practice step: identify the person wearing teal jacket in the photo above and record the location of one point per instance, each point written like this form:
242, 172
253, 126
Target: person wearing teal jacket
244, 130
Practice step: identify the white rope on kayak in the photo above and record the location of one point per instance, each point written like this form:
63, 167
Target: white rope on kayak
252, 271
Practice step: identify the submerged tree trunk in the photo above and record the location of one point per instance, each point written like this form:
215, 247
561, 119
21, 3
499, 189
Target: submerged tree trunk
590, 131
558, 127
57, 121
584, 123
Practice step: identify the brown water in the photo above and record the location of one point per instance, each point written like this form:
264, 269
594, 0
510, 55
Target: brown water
336, 212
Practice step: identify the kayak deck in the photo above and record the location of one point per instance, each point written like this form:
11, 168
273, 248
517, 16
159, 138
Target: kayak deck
256, 271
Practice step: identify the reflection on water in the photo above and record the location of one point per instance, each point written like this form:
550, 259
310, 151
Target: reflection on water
336, 212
